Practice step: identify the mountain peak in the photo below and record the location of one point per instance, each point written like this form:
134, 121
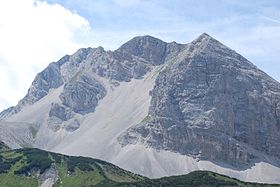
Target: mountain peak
141, 41
204, 44
145, 38
205, 35
147, 47
205, 38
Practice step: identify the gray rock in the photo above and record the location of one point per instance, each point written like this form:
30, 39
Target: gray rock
54, 123
44, 81
71, 65
149, 48
82, 95
7, 112
214, 104
49, 177
132, 60
73, 125
60, 112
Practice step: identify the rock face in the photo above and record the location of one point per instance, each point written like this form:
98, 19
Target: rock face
212, 104
60, 112
151, 49
199, 100
81, 91
48, 79
82, 95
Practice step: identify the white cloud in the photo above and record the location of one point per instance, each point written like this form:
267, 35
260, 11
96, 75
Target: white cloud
271, 19
33, 33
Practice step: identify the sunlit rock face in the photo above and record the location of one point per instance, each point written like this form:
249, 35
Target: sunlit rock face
214, 104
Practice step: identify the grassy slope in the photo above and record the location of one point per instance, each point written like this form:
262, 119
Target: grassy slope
19, 167
198, 178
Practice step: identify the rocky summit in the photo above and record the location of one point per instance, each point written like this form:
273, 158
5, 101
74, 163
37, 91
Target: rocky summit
212, 103
171, 108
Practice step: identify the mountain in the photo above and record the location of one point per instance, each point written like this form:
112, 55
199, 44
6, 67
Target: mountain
156, 109
215, 104
34, 167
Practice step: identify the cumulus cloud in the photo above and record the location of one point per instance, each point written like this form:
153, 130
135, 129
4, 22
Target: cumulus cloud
33, 33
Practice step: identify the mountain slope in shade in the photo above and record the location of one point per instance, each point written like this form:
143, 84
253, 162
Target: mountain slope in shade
34, 167
170, 108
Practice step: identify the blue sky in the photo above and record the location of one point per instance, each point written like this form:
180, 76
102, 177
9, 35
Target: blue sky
34, 33
251, 27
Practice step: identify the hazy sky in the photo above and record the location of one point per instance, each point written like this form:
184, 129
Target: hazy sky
35, 33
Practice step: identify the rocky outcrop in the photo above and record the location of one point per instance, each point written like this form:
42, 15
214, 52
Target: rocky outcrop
60, 112
49, 177
213, 104
149, 48
7, 112
48, 79
82, 95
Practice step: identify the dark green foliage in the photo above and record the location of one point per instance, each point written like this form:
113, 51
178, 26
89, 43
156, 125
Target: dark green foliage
6, 164
36, 160
4, 167
84, 164
57, 157
197, 179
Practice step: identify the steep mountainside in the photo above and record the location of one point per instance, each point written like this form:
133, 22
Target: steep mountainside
215, 104
34, 167
169, 108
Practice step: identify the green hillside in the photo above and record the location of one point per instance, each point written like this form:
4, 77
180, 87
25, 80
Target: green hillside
198, 178
26, 168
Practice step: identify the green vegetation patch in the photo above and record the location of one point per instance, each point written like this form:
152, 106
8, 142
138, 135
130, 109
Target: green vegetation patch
116, 174
7, 180
147, 118
35, 160
79, 178
196, 178
84, 164
6, 164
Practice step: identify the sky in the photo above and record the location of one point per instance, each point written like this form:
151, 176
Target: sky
34, 33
